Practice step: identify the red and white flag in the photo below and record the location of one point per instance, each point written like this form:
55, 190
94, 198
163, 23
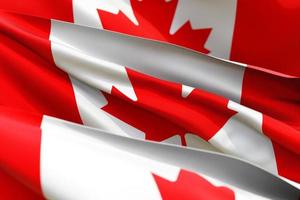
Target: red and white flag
99, 96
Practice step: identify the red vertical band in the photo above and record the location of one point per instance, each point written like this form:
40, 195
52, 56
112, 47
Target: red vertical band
20, 146
267, 34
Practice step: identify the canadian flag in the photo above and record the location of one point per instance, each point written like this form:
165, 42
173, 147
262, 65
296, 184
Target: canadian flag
61, 160
165, 71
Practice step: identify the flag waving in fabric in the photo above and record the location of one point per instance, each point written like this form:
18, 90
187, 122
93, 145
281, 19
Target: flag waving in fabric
140, 99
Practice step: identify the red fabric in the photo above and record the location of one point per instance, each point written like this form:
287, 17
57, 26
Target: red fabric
11, 189
288, 162
29, 81
54, 9
267, 34
286, 144
274, 95
20, 146
29, 77
167, 114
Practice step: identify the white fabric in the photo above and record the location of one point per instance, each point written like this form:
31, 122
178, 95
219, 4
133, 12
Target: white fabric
78, 162
242, 136
93, 55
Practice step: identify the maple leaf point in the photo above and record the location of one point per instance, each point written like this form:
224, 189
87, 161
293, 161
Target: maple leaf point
191, 186
154, 20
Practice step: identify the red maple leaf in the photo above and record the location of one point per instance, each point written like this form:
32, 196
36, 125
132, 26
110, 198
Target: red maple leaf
161, 112
191, 186
154, 21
